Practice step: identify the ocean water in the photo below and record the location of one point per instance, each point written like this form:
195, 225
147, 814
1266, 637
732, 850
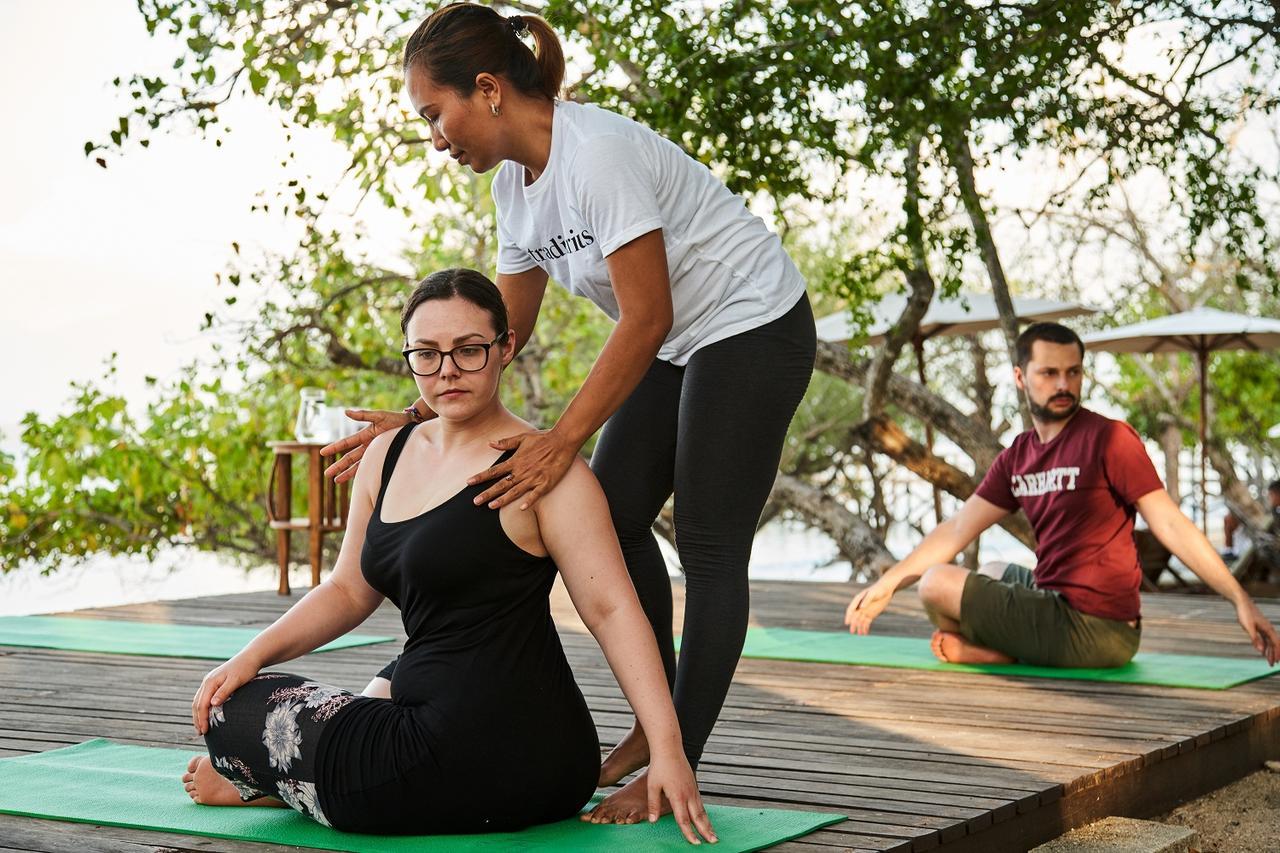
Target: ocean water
106, 581
783, 551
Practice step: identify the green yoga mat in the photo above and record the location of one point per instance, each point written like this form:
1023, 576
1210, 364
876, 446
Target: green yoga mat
109, 783
117, 637
1198, 671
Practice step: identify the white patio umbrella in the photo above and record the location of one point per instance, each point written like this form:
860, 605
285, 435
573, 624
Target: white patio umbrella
962, 314
1199, 331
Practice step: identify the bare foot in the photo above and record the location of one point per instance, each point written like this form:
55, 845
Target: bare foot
954, 648
205, 786
631, 753
628, 804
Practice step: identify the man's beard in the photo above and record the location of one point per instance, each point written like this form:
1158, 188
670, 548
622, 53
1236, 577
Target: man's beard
1044, 413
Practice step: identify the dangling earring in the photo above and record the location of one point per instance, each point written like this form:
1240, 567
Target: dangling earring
493, 108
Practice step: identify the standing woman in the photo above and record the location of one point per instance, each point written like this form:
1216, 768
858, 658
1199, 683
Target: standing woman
697, 383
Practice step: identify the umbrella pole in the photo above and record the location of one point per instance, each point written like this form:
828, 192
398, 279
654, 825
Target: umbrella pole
1203, 357
928, 428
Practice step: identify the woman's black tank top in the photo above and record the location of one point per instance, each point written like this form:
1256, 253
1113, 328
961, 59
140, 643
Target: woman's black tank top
486, 728
473, 603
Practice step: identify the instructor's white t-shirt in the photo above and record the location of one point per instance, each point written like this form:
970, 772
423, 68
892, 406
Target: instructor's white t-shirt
610, 180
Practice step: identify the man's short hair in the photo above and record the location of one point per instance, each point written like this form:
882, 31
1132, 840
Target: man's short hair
1054, 333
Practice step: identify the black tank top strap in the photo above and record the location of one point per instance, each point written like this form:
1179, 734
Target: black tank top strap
393, 456
506, 454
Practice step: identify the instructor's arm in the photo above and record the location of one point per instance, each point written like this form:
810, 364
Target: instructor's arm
1177, 533
522, 292
642, 286
940, 546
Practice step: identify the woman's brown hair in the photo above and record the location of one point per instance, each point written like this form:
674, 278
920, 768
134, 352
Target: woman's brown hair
461, 40
470, 285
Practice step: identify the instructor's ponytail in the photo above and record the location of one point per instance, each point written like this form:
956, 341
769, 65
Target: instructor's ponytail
548, 55
461, 40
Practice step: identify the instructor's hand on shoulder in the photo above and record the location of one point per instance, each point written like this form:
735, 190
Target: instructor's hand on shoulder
541, 460
673, 778
217, 687
379, 422
866, 606
1261, 632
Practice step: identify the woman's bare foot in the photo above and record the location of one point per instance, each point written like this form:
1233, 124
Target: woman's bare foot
631, 753
207, 787
628, 804
954, 648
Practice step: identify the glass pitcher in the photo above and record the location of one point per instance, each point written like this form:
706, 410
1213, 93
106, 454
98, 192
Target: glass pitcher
310, 426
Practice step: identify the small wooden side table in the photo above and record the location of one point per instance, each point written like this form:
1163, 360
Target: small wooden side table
327, 504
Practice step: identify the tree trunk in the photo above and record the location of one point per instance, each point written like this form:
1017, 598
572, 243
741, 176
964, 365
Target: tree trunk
884, 436
905, 327
665, 526
983, 393
962, 160
976, 440
1234, 491
855, 539
1171, 447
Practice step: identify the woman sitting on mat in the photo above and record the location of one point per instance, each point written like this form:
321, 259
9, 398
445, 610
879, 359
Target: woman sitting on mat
486, 729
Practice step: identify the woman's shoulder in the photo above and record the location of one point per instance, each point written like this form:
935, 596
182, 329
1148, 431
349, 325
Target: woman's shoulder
375, 455
382, 442
575, 489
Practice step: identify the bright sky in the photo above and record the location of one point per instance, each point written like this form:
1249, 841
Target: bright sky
123, 260
96, 261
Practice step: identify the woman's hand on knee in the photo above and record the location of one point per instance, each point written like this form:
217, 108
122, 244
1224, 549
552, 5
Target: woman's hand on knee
217, 687
673, 778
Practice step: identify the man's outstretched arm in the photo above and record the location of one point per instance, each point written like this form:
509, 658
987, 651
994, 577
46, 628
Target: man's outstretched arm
1180, 535
940, 546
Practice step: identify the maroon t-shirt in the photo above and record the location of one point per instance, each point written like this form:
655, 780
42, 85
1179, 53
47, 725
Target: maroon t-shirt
1079, 491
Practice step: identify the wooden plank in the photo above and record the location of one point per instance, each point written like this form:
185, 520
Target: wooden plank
56, 836
918, 760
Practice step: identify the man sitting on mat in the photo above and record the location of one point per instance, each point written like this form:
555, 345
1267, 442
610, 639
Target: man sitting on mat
1079, 477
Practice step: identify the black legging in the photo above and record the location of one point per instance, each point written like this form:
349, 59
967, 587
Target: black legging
712, 431
266, 736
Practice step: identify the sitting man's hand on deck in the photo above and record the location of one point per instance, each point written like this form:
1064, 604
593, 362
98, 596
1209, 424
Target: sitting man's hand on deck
353, 446
1261, 632
866, 606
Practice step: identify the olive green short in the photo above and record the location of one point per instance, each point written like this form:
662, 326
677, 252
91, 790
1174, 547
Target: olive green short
1037, 626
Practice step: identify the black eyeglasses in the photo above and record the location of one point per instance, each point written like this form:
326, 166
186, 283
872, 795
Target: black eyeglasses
468, 358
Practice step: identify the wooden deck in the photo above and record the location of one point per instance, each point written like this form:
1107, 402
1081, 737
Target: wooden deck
917, 760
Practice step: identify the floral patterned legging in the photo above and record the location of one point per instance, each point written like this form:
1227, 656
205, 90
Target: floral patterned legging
263, 738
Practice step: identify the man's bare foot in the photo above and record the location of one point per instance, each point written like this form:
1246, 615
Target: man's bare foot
207, 787
628, 804
631, 753
954, 648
